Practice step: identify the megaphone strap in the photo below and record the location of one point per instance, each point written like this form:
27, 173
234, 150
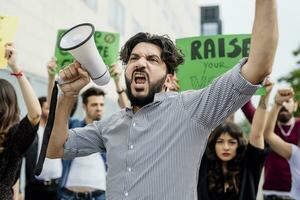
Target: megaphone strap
47, 131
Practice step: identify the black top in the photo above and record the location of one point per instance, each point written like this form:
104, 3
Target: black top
251, 167
31, 157
18, 140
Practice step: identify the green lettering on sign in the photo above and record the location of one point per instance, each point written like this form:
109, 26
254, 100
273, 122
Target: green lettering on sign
107, 45
207, 57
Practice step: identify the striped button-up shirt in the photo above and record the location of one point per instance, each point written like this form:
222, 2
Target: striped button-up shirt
155, 153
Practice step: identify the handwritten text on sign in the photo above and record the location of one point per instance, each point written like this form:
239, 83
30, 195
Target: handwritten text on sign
207, 57
107, 45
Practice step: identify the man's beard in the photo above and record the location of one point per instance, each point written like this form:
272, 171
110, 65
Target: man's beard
153, 89
284, 118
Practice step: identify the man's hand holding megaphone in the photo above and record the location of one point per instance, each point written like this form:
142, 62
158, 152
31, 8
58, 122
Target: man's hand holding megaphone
79, 42
74, 79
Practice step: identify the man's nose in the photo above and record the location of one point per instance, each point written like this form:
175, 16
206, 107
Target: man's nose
284, 104
141, 63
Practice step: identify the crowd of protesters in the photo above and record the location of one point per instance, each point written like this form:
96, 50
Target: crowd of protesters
161, 144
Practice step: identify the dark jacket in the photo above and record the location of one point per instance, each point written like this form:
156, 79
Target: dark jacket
251, 167
18, 140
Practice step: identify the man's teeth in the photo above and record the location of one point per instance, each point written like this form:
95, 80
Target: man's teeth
139, 75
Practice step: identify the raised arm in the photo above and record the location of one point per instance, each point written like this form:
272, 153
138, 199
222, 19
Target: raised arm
30, 98
116, 72
51, 77
278, 145
263, 42
76, 78
256, 137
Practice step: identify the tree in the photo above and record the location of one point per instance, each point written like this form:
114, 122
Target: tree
293, 78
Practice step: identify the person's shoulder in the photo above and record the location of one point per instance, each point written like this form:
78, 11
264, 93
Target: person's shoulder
295, 150
190, 92
74, 123
253, 152
121, 114
297, 120
295, 155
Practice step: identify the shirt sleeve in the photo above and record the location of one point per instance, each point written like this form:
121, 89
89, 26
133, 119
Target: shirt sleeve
211, 105
256, 156
248, 110
84, 141
24, 136
294, 159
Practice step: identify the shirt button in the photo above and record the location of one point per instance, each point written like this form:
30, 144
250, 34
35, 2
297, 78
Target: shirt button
126, 194
133, 124
131, 147
129, 169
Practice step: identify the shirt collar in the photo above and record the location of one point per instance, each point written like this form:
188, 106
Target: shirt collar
157, 98
163, 95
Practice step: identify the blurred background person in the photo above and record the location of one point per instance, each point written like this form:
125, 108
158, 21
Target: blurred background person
277, 174
231, 167
45, 186
288, 151
85, 177
15, 135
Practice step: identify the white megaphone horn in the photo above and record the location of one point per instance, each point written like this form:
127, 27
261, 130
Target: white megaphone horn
79, 42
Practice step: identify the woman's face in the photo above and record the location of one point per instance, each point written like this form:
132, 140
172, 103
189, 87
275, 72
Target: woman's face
226, 147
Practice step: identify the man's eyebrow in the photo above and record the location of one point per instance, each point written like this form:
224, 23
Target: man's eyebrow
153, 55
134, 54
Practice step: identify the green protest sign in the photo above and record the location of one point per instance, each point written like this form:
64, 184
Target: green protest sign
107, 45
207, 57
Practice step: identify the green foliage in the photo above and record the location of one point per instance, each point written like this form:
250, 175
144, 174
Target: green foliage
293, 78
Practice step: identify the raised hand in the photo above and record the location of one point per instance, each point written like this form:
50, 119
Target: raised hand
74, 77
268, 83
51, 65
11, 56
284, 95
115, 71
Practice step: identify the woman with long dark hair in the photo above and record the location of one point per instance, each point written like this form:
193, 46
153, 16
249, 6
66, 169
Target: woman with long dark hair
15, 135
231, 166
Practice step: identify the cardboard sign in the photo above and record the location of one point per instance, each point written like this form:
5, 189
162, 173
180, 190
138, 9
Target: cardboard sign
107, 45
8, 28
207, 57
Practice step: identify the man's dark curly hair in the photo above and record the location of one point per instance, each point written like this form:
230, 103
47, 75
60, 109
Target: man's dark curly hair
170, 54
215, 176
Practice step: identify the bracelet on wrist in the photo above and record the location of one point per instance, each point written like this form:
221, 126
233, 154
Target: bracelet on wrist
17, 74
120, 91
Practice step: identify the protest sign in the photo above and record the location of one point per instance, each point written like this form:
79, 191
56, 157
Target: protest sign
207, 57
107, 45
8, 28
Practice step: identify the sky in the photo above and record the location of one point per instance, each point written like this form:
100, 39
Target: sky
237, 18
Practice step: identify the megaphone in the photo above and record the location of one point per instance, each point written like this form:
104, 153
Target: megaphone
79, 42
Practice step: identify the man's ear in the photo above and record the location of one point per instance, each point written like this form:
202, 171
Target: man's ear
168, 82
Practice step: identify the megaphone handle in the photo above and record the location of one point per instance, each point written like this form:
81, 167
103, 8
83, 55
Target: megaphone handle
59, 81
47, 131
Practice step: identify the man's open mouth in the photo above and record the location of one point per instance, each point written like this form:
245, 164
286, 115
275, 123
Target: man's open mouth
139, 77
